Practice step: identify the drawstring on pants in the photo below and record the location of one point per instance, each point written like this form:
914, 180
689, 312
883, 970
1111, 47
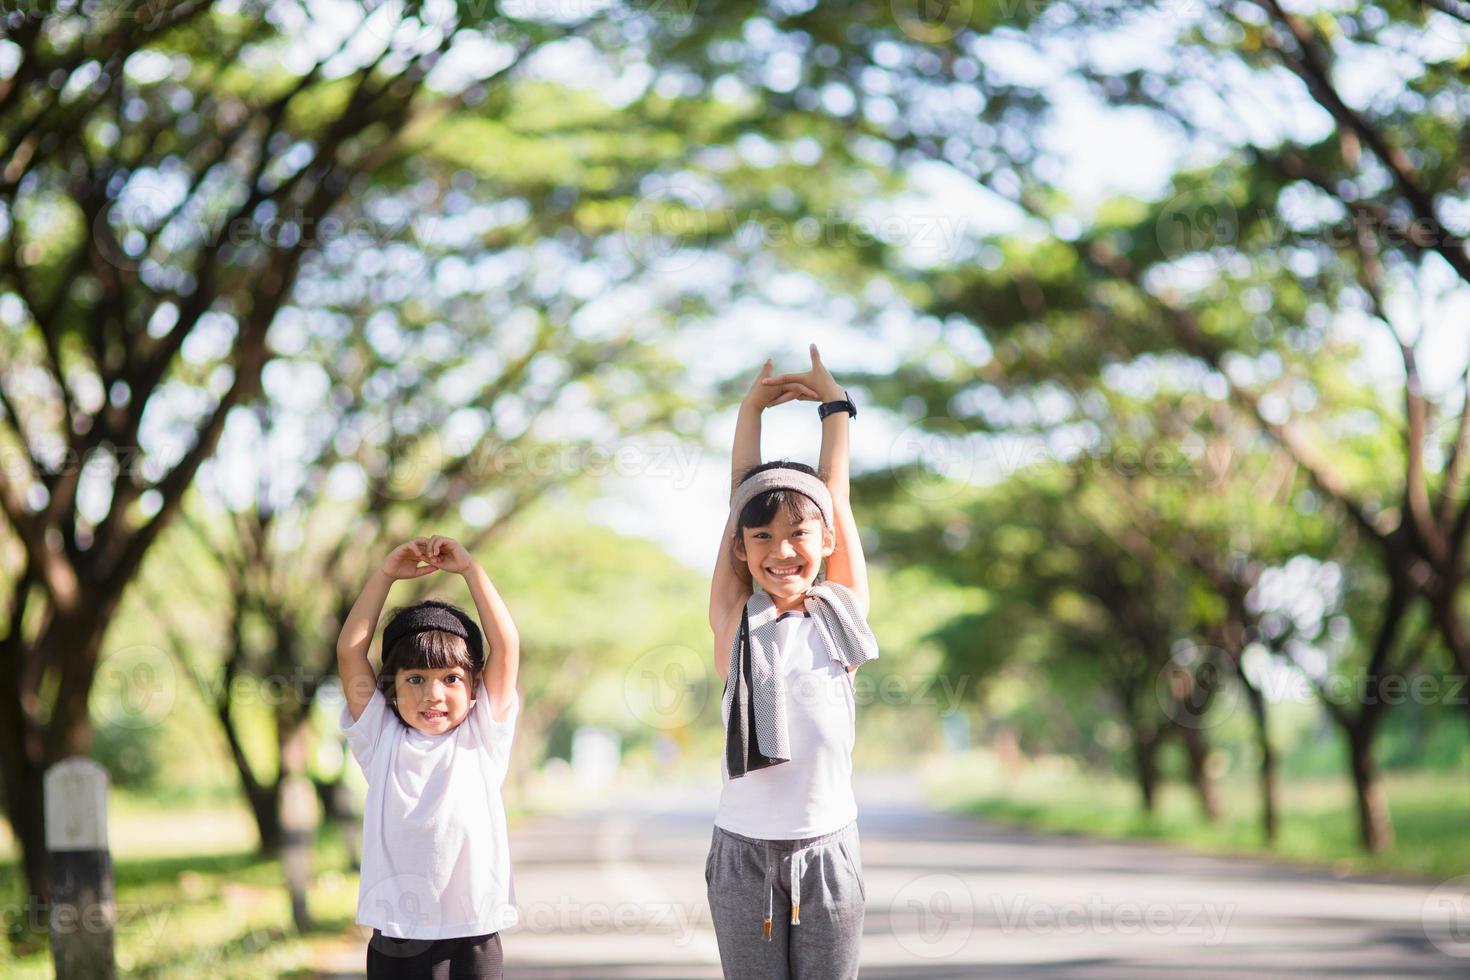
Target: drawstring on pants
798, 865
770, 895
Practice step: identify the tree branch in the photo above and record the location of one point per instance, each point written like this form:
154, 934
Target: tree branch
1312, 69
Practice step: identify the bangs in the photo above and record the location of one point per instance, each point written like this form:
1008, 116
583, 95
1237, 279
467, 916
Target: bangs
763, 508
429, 650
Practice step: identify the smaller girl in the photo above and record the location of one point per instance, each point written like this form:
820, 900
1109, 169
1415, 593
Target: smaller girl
433, 733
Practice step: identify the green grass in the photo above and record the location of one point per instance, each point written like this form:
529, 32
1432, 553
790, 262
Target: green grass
1317, 821
195, 900
223, 914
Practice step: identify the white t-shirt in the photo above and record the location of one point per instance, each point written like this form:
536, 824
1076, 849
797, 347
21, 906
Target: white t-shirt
811, 794
435, 854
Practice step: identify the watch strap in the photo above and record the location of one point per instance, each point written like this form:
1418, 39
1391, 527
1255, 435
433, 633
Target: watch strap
843, 404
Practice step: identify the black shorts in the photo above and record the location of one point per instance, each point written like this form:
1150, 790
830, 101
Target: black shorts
464, 958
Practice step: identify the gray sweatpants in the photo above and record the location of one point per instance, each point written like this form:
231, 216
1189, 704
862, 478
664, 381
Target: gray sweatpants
787, 909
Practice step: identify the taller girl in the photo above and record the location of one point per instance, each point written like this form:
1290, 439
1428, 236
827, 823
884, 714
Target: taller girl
784, 870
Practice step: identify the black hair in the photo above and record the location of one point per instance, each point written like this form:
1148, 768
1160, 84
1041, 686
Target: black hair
426, 650
761, 509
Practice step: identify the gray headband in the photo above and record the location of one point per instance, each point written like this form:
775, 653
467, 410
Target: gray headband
783, 478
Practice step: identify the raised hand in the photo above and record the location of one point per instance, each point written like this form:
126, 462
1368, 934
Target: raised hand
817, 380
448, 554
763, 394
404, 561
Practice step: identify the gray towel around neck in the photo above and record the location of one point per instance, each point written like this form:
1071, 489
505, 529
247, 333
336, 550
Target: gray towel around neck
755, 730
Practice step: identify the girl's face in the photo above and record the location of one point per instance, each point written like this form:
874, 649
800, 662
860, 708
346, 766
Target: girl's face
434, 701
785, 555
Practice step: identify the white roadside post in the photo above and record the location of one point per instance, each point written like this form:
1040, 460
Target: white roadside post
83, 909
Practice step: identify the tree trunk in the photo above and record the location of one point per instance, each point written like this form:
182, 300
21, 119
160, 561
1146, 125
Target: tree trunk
1145, 766
1375, 830
23, 807
1452, 631
28, 749
265, 807
1267, 770
1197, 748
334, 799
264, 798
298, 819
337, 808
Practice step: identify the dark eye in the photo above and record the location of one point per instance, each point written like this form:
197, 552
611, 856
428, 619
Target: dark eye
414, 678
451, 677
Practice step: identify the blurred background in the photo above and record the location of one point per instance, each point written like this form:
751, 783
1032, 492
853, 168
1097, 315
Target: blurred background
1154, 314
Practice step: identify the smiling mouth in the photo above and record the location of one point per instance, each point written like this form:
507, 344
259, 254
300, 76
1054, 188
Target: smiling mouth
784, 571
433, 715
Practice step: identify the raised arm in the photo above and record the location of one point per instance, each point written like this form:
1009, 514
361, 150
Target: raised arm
846, 565
502, 640
358, 678
731, 581
730, 584
746, 452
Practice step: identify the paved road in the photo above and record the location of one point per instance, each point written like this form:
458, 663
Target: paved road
619, 892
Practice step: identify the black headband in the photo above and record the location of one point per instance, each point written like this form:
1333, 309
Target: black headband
436, 616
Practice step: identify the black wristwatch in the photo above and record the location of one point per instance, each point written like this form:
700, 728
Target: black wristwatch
844, 404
